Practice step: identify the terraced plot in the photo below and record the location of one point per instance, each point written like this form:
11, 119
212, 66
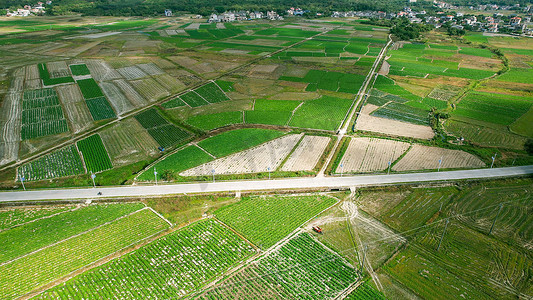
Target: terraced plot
165, 133
191, 258
370, 155
60, 163
48, 264
266, 220
94, 154
263, 158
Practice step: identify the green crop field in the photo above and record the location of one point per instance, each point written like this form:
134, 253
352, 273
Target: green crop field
237, 140
330, 81
271, 112
10, 218
182, 160
94, 154
165, 133
402, 112
90, 89
171, 267
176, 102
485, 136
60, 163
23, 275
266, 220
324, 113
27, 238
212, 121
193, 99
47, 81
42, 114
493, 108
517, 75
79, 70
100, 109
302, 266
212, 93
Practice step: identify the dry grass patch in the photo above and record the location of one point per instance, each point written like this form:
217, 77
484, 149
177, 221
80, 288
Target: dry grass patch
424, 157
101, 70
116, 98
371, 154
76, 110
150, 89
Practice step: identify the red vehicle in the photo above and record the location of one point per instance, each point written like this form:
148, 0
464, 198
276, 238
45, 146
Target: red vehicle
317, 229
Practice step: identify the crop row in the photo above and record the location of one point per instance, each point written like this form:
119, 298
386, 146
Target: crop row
265, 221
171, 267
47, 81
49, 264
94, 154
165, 133
100, 109
35, 130
63, 162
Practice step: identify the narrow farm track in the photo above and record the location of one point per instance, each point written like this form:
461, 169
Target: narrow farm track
134, 112
257, 185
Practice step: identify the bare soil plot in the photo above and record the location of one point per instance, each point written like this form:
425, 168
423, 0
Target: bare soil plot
116, 98
133, 96
33, 84
150, 89
128, 142
10, 123
17, 84
58, 69
76, 110
131, 73
78, 50
306, 155
370, 154
424, 157
100, 70
31, 72
254, 160
366, 122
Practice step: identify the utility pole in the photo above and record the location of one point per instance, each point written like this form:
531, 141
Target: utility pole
155, 175
440, 163
388, 172
213, 172
22, 181
268, 173
93, 177
497, 215
442, 237
342, 168
493, 158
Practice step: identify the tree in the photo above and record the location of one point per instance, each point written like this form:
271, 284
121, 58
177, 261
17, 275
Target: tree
529, 146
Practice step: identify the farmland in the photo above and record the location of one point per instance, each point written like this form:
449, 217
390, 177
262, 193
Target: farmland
255, 216
237, 140
42, 114
423, 157
47, 264
307, 154
188, 256
60, 163
94, 154
165, 133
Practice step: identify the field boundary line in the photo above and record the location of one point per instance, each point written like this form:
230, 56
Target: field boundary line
235, 231
293, 112
161, 216
222, 89
117, 254
161, 159
70, 237
41, 218
347, 291
198, 146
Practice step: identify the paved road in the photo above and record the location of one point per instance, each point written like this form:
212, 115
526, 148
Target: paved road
255, 185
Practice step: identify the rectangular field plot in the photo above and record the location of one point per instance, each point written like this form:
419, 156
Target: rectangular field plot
266, 220
330, 81
169, 268
76, 108
32, 236
13, 217
161, 130
324, 113
48, 264
212, 121
424, 157
42, 114
89, 88
402, 112
60, 163
306, 156
271, 112
94, 154
79, 70
302, 266
150, 89
212, 93
100, 109
46, 78
370, 155
263, 158
485, 136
